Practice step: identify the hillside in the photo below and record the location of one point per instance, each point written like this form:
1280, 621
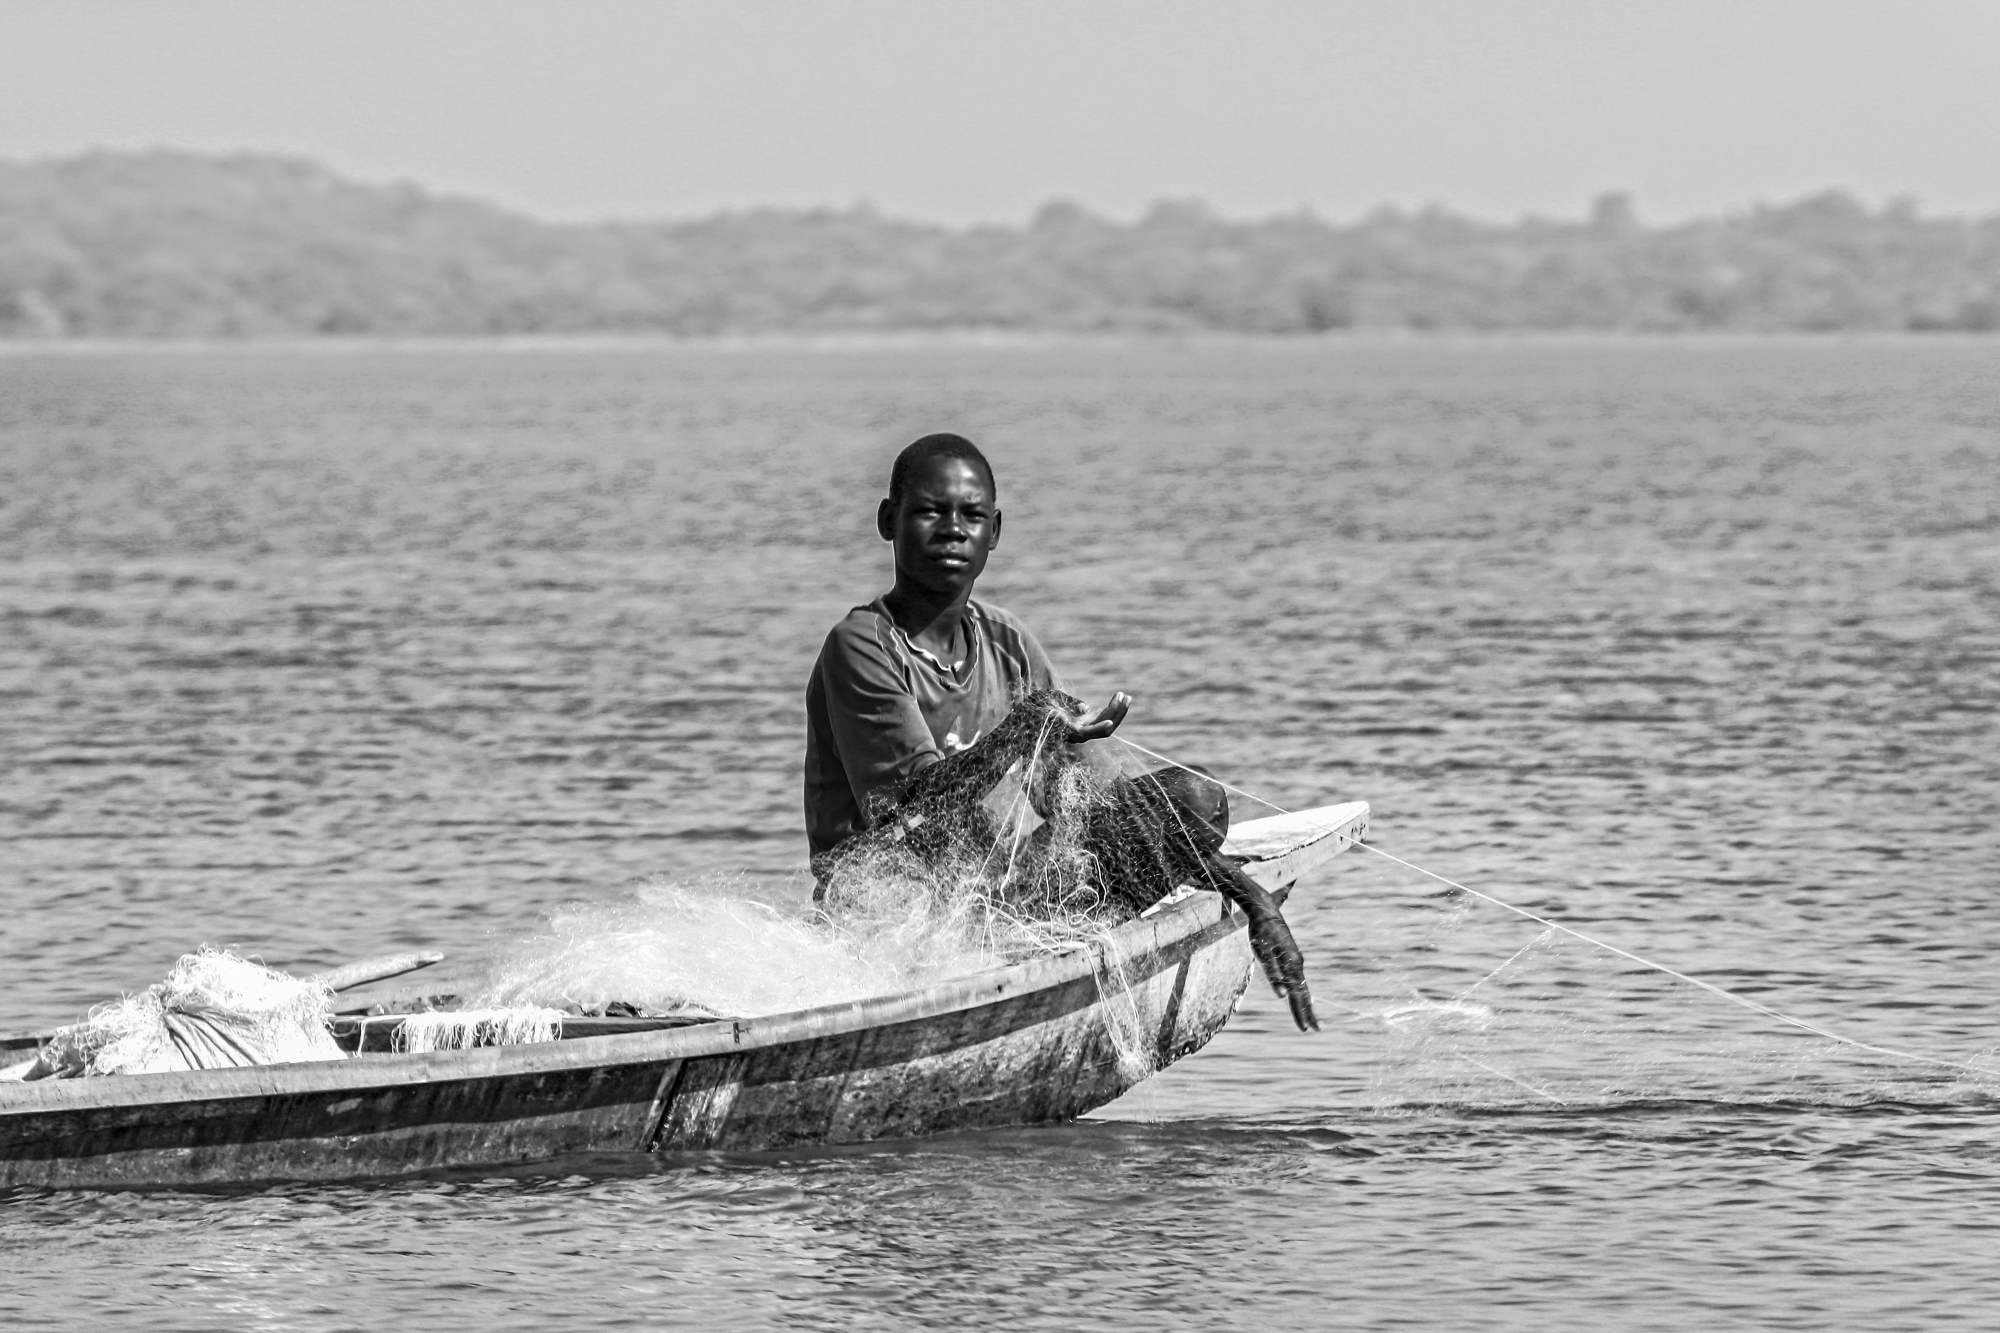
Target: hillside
168, 244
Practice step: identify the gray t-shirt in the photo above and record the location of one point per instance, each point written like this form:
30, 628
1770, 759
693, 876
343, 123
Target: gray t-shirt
876, 704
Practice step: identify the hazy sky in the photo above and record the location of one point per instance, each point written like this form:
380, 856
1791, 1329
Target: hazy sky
965, 111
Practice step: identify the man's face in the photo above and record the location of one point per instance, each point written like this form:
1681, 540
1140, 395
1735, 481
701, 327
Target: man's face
944, 527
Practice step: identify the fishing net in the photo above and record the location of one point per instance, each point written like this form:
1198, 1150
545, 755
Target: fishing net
462, 1029
1027, 842
1023, 844
1035, 840
1454, 1002
214, 1010
724, 946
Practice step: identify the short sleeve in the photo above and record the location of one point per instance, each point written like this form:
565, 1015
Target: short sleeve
878, 729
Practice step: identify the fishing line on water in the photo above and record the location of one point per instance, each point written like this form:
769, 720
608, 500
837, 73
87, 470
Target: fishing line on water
1745, 1001
1534, 943
1543, 1093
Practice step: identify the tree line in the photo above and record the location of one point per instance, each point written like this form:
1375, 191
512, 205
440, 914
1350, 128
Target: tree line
169, 244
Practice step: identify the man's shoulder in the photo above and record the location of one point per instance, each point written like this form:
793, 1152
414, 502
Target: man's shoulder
862, 635
1006, 632
999, 618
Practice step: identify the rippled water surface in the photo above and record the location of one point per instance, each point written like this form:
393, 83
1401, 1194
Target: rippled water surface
1694, 646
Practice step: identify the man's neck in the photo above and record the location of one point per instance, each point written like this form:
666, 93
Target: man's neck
932, 620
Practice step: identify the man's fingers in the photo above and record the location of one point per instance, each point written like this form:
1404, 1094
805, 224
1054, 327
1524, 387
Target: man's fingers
1095, 726
1109, 716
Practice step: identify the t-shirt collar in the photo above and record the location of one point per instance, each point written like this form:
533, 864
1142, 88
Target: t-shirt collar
956, 673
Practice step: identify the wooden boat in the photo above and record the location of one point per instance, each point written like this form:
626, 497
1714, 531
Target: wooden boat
1039, 1041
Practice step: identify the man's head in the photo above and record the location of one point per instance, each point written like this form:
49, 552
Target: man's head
943, 445
942, 513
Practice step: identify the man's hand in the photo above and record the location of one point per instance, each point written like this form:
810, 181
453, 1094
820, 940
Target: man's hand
1096, 726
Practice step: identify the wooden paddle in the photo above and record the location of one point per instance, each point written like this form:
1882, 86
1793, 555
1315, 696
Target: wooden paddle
349, 975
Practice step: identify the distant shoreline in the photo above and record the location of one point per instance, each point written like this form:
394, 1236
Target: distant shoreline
186, 247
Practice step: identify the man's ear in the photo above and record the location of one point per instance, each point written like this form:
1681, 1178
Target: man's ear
885, 520
994, 540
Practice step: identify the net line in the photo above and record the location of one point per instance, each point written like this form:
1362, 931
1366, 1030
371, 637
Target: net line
1722, 992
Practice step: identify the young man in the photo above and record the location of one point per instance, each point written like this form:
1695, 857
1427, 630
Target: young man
923, 669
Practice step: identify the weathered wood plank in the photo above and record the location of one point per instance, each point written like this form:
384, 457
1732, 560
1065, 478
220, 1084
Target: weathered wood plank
376, 1034
1284, 847
325, 1135
1046, 1054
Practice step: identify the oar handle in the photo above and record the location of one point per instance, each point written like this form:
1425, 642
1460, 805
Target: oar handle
349, 975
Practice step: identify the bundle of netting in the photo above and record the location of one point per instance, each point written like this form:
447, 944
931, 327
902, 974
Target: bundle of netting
214, 1010
1027, 840
1023, 843
988, 846
715, 949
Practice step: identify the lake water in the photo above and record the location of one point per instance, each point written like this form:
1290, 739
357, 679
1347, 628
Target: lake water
1692, 645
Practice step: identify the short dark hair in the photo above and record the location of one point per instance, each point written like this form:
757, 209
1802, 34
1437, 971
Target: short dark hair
943, 445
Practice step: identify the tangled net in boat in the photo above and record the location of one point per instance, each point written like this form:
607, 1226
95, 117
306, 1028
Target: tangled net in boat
1028, 837
715, 948
462, 1029
213, 1011
1022, 844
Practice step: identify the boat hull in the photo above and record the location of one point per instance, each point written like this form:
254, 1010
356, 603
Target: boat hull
1042, 1041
